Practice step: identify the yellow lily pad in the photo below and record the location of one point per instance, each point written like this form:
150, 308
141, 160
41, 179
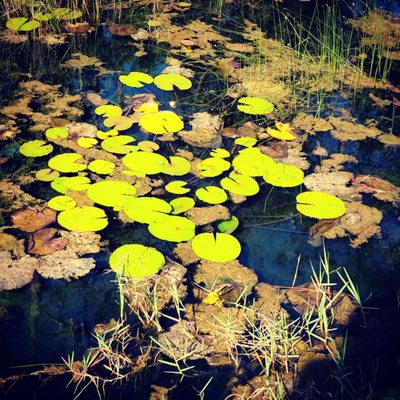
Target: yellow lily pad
181, 205
74, 183
136, 261
220, 247
252, 163
120, 123
240, 184
56, 133
136, 79
108, 111
149, 107
66, 162
87, 142
118, 144
255, 106
144, 162
161, 122
283, 175
83, 219
61, 203
47, 175
173, 229
320, 205
147, 209
283, 132
36, 148
220, 153
171, 81
178, 166
212, 194
147, 145
104, 135
213, 166
246, 141
101, 167
177, 187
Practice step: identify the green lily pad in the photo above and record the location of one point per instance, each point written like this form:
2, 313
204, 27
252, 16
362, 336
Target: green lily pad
22, 24
320, 205
61, 203
252, 163
87, 142
283, 175
170, 81
83, 219
36, 148
240, 184
161, 122
74, 183
111, 193
246, 141
213, 166
101, 167
56, 133
118, 144
136, 79
229, 225
220, 247
39, 16
66, 162
104, 135
177, 187
220, 153
181, 205
47, 175
147, 209
178, 166
173, 229
212, 194
143, 162
108, 111
255, 106
120, 123
136, 261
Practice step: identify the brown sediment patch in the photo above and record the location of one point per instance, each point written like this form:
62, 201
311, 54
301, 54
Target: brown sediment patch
347, 129
185, 253
208, 215
83, 242
310, 124
389, 139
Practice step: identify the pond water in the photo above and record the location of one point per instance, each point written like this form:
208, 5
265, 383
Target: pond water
48, 319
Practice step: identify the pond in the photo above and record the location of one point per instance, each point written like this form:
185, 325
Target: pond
200, 200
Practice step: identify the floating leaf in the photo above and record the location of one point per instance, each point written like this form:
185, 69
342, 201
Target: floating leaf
229, 225
143, 162
87, 142
283, 175
213, 166
170, 81
161, 122
178, 166
136, 261
173, 229
108, 111
213, 297
56, 133
39, 16
149, 107
136, 79
104, 135
47, 175
101, 167
120, 123
111, 193
118, 144
177, 187
246, 141
146, 145
255, 105
31, 220
220, 247
83, 219
181, 204
66, 162
61, 203
36, 148
283, 132
146, 209
22, 24
252, 163
220, 153
74, 183
320, 205
240, 184
212, 194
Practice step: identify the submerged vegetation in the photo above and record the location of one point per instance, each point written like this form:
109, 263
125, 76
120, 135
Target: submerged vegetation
159, 174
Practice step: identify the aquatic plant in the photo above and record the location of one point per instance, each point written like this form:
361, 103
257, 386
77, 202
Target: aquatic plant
282, 131
283, 175
240, 184
22, 24
101, 167
212, 194
119, 144
255, 106
61, 203
66, 162
172, 228
228, 226
83, 219
136, 79
36, 148
146, 209
111, 193
170, 81
177, 187
161, 123
320, 205
143, 163
181, 205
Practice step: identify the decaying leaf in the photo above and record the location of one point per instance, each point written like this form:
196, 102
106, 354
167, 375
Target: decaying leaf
43, 242
378, 187
31, 220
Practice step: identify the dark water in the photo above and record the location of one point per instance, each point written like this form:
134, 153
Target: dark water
49, 319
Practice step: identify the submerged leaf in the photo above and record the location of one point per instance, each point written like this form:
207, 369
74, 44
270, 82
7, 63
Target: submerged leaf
320, 205
220, 247
173, 228
83, 219
43, 242
161, 122
136, 79
170, 81
36, 148
255, 105
136, 261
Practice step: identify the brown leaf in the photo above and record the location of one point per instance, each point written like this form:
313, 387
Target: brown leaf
122, 30
323, 226
31, 220
78, 27
43, 242
275, 150
372, 184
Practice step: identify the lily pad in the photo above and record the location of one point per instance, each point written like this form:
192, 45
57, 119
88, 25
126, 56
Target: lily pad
320, 205
170, 81
177, 187
120, 123
146, 209
220, 247
178, 166
118, 144
255, 106
246, 141
22, 24
66, 162
108, 111
87, 142
220, 153
101, 167
61, 203
111, 193
283, 132
173, 229
36, 148
283, 175
240, 184
136, 79
229, 225
213, 166
147, 145
161, 122
212, 194
181, 204
74, 183
56, 133
104, 135
47, 175
145, 163
252, 163
83, 219
136, 261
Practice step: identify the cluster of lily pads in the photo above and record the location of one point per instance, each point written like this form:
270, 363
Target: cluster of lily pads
165, 220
